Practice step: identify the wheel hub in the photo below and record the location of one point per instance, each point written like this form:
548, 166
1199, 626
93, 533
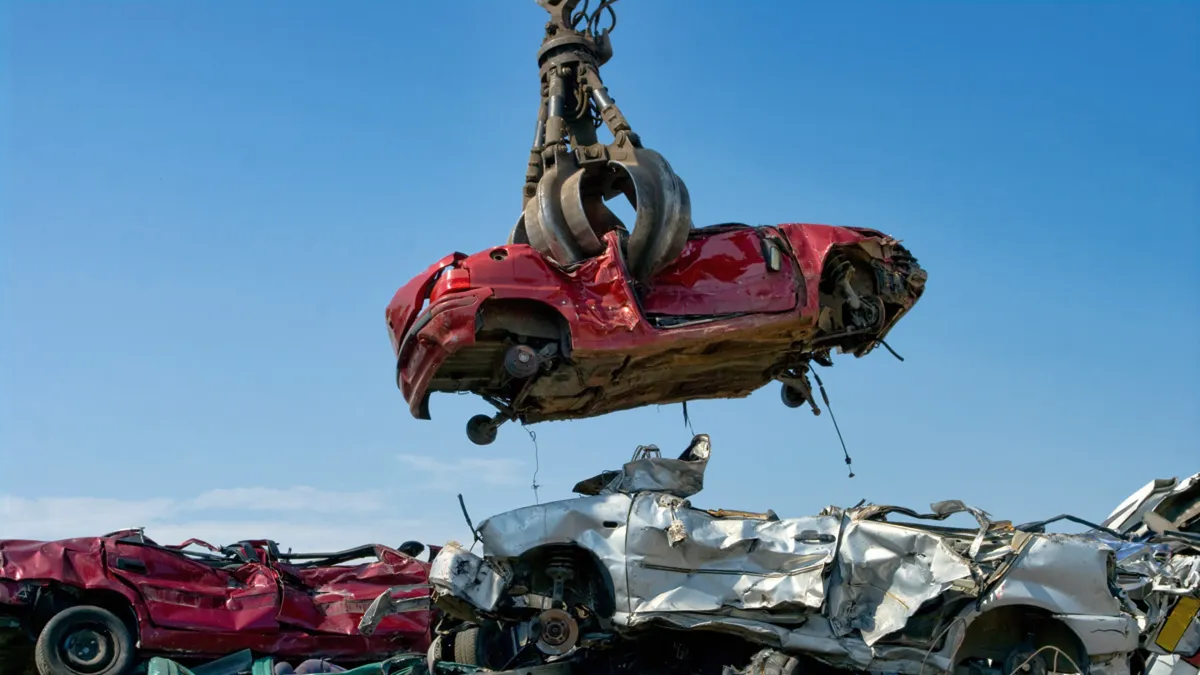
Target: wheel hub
521, 361
557, 632
866, 315
86, 648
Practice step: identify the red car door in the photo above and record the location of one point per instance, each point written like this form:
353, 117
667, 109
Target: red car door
723, 270
332, 598
186, 593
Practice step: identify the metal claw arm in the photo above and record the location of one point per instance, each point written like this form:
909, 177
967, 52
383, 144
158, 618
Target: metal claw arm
571, 173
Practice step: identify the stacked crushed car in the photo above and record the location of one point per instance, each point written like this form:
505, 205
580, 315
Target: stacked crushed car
631, 577
93, 605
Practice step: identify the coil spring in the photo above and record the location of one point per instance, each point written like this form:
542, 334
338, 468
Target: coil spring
560, 566
836, 268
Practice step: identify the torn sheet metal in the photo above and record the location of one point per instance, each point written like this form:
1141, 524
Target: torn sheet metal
1158, 564
208, 601
1172, 498
885, 572
846, 586
1171, 664
458, 573
648, 471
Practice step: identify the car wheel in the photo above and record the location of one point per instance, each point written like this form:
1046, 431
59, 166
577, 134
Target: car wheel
483, 646
481, 430
84, 641
466, 647
792, 397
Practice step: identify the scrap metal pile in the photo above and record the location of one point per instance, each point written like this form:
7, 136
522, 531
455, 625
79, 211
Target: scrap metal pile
578, 316
631, 577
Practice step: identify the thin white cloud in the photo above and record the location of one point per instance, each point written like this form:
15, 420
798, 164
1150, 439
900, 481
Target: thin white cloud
294, 525
466, 471
296, 498
301, 536
77, 516
299, 517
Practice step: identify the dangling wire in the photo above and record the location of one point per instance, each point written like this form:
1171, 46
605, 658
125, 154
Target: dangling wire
829, 407
687, 420
537, 462
889, 348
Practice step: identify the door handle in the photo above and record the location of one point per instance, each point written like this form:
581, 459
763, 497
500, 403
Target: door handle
131, 565
813, 537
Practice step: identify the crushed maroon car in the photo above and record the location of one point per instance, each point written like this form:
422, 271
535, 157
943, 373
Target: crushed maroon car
98, 604
741, 306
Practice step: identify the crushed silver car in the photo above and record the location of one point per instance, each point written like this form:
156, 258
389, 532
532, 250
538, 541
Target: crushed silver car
632, 568
1158, 563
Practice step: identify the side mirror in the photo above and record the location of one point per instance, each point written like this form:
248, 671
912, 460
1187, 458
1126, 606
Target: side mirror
411, 549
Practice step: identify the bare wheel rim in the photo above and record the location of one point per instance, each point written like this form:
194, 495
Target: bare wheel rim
88, 648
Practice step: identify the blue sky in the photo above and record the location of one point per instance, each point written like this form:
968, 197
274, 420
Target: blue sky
205, 208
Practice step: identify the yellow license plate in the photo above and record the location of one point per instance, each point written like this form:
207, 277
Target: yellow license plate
1177, 623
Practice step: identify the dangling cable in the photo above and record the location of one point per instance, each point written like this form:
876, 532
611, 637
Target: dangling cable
829, 407
537, 462
889, 348
687, 420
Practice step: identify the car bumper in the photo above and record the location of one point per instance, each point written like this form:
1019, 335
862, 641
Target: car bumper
441, 330
1103, 635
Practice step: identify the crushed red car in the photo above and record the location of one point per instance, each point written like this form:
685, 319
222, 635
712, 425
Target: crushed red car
739, 307
95, 605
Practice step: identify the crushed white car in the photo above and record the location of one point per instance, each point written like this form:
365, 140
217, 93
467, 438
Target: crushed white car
631, 570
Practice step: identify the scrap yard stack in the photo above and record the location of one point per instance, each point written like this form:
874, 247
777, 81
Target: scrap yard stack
577, 315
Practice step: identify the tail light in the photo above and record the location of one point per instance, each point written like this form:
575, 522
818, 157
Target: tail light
452, 279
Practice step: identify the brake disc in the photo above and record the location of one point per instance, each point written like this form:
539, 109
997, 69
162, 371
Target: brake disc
572, 174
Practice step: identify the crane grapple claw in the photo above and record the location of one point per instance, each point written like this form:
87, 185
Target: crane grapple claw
572, 174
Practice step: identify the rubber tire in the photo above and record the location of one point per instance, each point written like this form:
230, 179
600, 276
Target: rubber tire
46, 653
484, 646
480, 431
791, 400
466, 647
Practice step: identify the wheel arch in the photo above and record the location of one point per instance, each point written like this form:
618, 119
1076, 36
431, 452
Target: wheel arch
56, 597
999, 630
592, 568
526, 317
